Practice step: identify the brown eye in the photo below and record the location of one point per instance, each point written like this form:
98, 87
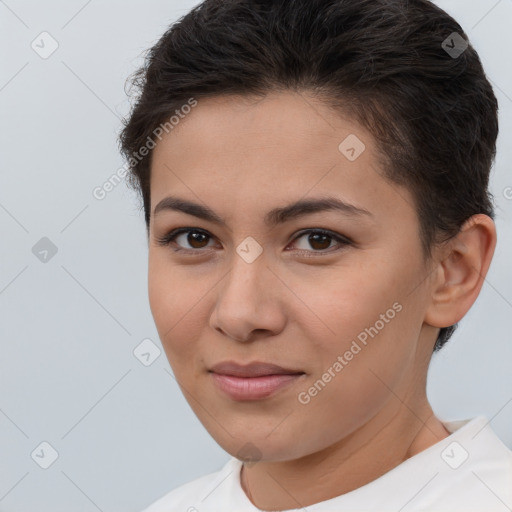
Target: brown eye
191, 240
195, 239
320, 240
186, 239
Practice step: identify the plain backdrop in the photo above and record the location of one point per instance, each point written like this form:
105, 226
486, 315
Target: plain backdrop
73, 269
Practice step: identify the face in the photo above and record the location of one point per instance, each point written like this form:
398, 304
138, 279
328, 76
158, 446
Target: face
336, 294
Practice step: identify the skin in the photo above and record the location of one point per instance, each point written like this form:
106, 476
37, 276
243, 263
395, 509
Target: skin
300, 304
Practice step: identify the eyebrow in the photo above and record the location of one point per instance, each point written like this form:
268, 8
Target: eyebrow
273, 217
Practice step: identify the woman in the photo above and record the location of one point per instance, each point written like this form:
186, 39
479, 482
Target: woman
314, 176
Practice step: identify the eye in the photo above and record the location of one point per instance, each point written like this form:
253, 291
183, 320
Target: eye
321, 239
197, 239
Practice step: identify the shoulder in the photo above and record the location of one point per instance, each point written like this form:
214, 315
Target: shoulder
188, 497
477, 470
468, 471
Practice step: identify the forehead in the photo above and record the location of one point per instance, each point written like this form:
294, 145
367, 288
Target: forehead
253, 150
226, 126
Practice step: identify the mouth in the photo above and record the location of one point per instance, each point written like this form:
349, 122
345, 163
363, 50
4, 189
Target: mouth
255, 381
255, 369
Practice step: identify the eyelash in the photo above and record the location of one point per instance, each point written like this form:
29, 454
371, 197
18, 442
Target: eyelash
172, 235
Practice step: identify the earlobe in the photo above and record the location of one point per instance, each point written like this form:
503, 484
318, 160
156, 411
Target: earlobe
461, 271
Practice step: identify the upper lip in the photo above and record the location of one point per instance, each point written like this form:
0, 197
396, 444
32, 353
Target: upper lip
254, 369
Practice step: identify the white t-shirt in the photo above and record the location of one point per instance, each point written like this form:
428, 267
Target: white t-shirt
469, 471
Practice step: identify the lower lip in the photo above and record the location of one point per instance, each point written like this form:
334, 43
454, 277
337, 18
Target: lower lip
253, 388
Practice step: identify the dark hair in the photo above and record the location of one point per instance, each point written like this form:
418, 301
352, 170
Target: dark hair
395, 66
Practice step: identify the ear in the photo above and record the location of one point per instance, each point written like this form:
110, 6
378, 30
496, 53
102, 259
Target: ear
460, 272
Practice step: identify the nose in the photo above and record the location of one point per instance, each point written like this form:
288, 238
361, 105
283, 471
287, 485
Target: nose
248, 301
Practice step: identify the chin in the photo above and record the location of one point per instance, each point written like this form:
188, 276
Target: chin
258, 449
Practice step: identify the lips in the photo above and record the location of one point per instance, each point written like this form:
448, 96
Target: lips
255, 381
255, 369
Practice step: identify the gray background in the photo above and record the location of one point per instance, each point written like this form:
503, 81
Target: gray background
68, 375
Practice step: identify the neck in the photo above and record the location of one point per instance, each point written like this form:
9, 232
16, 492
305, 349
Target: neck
384, 442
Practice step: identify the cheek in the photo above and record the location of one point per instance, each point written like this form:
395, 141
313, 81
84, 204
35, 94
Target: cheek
368, 317
175, 301
357, 366
350, 299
